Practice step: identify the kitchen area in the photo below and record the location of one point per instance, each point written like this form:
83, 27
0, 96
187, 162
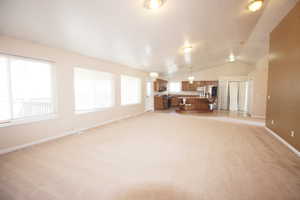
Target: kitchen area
185, 96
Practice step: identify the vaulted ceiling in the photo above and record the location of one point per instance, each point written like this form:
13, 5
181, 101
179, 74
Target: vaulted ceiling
123, 31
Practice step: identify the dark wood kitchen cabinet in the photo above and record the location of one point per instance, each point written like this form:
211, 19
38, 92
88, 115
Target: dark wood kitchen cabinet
187, 86
161, 102
160, 85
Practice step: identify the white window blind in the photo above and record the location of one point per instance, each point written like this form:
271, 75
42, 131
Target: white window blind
93, 89
174, 87
130, 90
26, 88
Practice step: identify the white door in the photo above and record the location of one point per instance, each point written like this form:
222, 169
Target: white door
149, 101
223, 95
249, 96
243, 96
233, 96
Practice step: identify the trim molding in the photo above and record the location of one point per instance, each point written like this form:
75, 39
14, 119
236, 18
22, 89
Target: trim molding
79, 131
293, 149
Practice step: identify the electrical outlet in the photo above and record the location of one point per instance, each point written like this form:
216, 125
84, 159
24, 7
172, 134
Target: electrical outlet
292, 133
272, 122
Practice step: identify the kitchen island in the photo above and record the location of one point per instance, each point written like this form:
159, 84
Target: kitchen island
194, 104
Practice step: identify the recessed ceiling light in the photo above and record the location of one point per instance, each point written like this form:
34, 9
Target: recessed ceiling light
153, 4
255, 5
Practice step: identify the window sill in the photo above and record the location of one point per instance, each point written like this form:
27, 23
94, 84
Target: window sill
28, 120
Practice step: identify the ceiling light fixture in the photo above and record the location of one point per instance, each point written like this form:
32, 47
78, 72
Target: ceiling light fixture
187, 49
191, 78
231, 58
153, 4
154, 75
255, 5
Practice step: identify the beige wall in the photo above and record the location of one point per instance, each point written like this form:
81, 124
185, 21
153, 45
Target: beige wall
215, 73
259, 88
283, 107
67, 121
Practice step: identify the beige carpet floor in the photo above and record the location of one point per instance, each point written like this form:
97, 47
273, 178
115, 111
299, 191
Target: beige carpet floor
155, 156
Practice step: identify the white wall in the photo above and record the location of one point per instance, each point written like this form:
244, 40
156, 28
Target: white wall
66, 121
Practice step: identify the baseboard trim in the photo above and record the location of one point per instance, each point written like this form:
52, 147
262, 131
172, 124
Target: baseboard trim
78, 131
293, 149
11, 149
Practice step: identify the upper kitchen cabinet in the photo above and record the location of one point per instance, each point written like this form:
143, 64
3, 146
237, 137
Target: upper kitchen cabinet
160, 85
187, 86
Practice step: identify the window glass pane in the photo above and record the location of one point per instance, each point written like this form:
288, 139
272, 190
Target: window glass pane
31, 88
130, 90
93, 89
174, 87
4, 93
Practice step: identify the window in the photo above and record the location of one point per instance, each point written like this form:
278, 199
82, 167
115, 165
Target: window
174, 87
93, 90
130, 90
26, 88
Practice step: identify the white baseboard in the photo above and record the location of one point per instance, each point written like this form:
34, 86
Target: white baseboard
78, 131
293, 149
11, 149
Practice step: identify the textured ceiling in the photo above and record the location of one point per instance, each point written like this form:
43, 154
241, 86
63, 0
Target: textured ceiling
122, 31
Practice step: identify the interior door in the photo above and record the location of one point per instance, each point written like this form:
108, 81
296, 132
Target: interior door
223, 95
243, 96
249, 96
233, 96
149, 99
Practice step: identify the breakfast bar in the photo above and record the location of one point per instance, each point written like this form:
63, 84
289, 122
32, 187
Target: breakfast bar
194, 104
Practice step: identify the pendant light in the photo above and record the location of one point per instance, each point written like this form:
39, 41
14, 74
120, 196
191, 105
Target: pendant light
191, 78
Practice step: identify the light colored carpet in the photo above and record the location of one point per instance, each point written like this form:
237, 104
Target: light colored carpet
155, 156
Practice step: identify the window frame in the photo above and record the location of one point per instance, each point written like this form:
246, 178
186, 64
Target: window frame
99, 109
36, 118
140, 90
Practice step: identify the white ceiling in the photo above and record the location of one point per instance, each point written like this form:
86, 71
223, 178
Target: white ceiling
122, 31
